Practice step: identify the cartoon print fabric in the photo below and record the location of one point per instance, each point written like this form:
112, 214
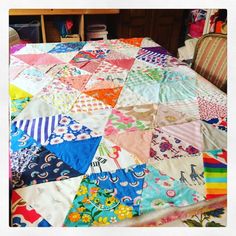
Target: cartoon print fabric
105, 132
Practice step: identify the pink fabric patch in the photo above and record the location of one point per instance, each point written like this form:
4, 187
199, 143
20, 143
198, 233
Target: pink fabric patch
136, 142
209, 110
39, 59
89, 66
77, 82
188, 132
123, 63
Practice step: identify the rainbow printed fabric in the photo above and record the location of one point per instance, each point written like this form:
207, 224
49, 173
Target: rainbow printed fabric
103, 132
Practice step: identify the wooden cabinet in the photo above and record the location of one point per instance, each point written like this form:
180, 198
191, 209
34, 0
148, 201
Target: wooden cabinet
48, 29
163, 25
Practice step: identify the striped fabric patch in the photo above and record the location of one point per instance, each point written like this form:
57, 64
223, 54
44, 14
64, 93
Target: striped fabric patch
215, 173
188, 132
152, 57
39, 128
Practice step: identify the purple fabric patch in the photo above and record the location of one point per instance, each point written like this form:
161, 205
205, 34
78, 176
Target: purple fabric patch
16, 47
160, 50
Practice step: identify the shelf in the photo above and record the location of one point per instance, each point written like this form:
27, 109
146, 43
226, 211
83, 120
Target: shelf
56, 12
27, 12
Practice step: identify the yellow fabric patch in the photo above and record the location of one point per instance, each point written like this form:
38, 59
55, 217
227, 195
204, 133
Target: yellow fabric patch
17, 93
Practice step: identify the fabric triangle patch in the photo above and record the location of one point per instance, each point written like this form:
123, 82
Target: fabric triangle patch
62, 101
101, 81
188, 108
209, 109
110, 157
108, 96
39, 128
85, 103
38, 59
167, 116
220, 123
133, 41
114, 55
213, 138
36, 108
158, 50
77, 154
131, 118
215, 173
165, 146
45, 167
218, 154
77, 82
18, 93
125, 64
161, 191
95, 120
128, 98
141, 65
89, 66
128, 181
64, 57
140, 146
188, 132
44, 68
23, 215
188, 170
47, 197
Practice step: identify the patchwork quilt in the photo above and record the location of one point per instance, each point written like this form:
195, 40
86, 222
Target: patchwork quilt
107, 132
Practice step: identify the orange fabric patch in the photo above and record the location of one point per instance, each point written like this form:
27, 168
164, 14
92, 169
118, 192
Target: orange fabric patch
133, 41
108, 96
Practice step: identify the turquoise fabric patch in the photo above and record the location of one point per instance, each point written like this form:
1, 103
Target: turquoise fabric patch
161, 191
178, 91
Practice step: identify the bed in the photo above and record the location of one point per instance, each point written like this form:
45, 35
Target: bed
114, 133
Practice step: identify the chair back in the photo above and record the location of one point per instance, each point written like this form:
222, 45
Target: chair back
210, 59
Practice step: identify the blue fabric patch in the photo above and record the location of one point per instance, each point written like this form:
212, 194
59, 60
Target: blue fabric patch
46, 167
44, 223
67, 47
77, 154
19, 139
127, 182
16, 222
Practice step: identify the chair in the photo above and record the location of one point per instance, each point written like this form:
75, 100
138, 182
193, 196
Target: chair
210, 59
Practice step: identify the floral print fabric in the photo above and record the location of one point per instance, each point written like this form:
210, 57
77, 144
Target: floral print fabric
94, 206
102, 198
74, 143
126, 118
123, 120
69, 130
164, 146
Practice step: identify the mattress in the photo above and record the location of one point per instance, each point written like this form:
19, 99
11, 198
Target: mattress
114, 133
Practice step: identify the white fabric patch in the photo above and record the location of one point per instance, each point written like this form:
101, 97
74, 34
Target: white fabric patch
51, 200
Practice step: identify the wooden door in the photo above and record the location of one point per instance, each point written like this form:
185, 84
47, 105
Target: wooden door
164, 26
